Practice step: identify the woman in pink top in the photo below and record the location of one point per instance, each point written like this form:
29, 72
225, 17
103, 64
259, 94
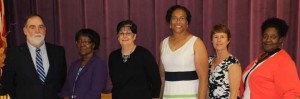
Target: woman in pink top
273, 74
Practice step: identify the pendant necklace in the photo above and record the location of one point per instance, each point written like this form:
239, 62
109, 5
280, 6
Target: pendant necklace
126, 57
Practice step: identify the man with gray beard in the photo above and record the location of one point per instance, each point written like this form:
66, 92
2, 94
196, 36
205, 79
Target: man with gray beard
35, 69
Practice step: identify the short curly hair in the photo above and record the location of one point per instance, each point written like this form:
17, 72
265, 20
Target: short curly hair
279, 24
175, 7
91, 34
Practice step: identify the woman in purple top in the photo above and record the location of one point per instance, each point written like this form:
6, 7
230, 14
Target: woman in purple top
87, 76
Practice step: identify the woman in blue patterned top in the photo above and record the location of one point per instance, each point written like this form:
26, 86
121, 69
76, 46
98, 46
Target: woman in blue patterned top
224, 68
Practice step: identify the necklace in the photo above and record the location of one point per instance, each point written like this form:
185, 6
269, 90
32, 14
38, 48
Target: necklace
126, 57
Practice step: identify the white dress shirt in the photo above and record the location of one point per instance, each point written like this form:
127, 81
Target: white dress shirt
44, 55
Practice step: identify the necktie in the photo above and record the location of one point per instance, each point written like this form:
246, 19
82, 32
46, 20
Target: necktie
39, 65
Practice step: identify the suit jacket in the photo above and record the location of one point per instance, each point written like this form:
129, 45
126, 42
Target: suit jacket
275, 78
91, 81
21, 80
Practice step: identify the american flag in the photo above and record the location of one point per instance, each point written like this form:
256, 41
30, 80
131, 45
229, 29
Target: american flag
3, 43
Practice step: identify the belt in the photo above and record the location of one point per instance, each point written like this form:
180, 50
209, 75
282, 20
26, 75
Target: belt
179, 76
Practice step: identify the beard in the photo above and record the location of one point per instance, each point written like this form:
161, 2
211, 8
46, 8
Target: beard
36, 39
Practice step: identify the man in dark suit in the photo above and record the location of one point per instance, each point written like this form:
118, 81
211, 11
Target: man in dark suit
36, 69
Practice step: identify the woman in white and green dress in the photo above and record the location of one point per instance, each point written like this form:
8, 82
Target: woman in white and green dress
183, 65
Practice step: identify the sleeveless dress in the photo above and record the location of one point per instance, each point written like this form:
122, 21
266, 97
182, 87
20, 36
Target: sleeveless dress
180, 60
218, 78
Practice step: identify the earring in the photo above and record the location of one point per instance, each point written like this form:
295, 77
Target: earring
187, 26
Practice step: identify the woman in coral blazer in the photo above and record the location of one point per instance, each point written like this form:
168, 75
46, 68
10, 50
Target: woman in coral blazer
272, 75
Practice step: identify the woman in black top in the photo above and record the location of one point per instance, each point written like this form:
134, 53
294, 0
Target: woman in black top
133, 69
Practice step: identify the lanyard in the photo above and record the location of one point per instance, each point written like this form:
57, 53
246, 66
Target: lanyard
74, 85
261, 59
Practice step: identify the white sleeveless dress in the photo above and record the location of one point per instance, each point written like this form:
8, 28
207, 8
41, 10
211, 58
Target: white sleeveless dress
180, 60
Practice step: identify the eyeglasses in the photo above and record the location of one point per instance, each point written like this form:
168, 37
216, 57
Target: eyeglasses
41, 27
270, 37
180, 19
125, 34
83, 42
